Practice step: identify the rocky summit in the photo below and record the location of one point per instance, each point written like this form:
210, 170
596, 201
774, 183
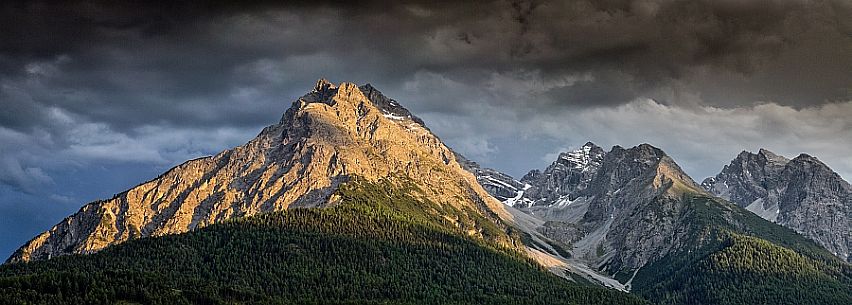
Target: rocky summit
802, 194
607, 207
326, 136
612, 212
570, 174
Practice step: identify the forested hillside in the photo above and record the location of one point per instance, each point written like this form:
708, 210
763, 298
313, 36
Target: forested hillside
381, 245
735, 257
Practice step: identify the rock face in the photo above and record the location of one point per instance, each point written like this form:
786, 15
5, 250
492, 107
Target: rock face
326, 136
751, 177
613, 211
500, 185
802, 194
628, 213
569, 175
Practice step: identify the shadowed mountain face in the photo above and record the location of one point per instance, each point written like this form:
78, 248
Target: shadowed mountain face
326, 136
802, 194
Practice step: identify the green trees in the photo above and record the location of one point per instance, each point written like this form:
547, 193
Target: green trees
736, 258
382, 245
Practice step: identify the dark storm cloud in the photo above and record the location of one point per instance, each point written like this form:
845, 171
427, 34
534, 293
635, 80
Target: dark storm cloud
203, 64
512, 83
167, 61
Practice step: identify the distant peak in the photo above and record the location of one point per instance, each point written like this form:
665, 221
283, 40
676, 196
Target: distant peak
805, 157
744, 154
583, 158
764, 154
323, 85
770, 156
646, 146
650, 149
590, 145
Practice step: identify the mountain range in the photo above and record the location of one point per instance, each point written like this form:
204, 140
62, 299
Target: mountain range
351, 195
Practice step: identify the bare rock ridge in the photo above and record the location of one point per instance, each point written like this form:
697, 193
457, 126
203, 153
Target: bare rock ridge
802, 194
612, 220
570, 174
614, 212
500, 185
326, 136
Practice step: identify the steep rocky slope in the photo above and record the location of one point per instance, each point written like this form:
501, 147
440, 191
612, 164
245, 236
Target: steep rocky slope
802, 194
502, 186
631, 219
325, 137
622, 212
611, 212
571, 173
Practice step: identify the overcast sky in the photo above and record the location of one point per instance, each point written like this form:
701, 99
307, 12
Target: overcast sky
96, 98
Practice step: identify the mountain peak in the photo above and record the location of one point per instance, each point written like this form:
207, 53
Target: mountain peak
772, 157
326, 137
647, 146
806, 157
391, 108
645, 152
666, 172
323, 85
588, 155
762, 154
590, 144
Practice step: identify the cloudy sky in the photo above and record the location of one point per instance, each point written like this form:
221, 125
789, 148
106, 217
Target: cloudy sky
98, 97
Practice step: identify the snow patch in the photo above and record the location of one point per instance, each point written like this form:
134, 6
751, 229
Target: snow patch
394, 117
770, 213
519, 195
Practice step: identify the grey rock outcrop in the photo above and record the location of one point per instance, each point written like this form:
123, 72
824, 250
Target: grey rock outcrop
569, 175
802, 194
499, 185
614, 211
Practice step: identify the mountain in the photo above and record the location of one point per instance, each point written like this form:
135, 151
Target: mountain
569, 174
802, 194
499, 185
618, 209
594, 201
633, 217
325, 137
348, 199
380, 245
